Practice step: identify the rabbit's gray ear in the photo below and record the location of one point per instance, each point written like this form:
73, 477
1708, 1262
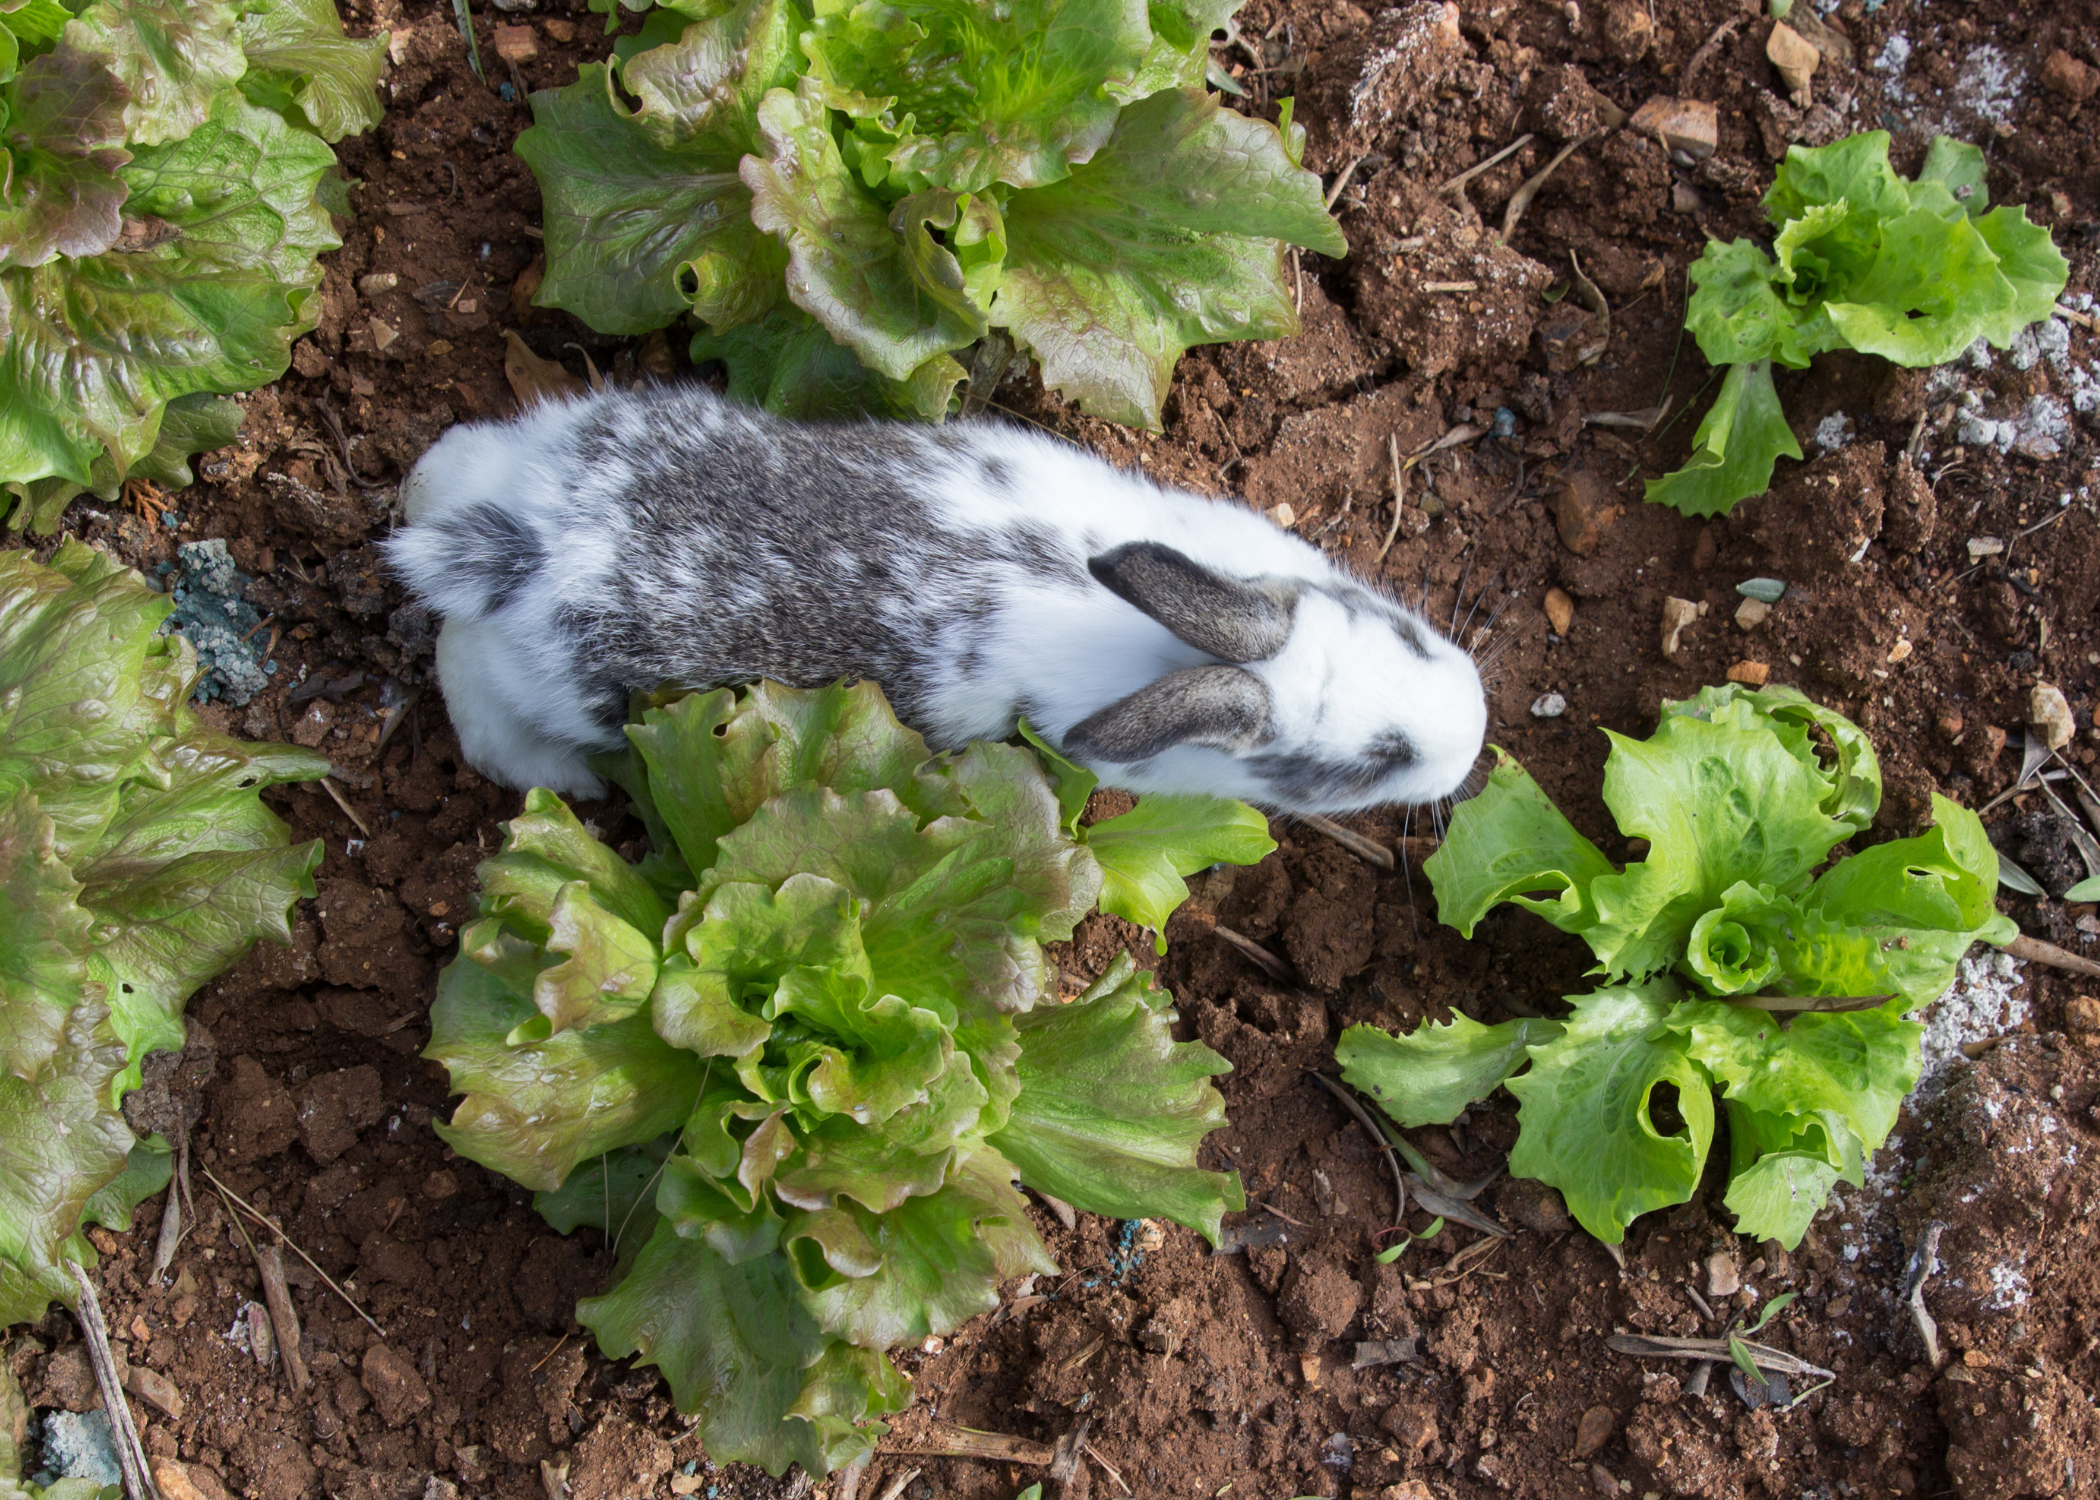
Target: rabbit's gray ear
1229, 618
1223, 707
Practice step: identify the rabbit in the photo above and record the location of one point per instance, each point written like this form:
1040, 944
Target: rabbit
977, 572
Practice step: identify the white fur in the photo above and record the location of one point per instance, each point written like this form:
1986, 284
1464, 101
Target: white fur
519, 697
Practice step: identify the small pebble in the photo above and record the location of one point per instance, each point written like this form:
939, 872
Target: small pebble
1984, 546
1548, 706
378, 282
1676, 614
1951, 724
1560, 610
1900, 652
2048, 711
383, 333
1594, 1430
1282, 515
1770, 590
1752, 613
1722, 1277
1749, 673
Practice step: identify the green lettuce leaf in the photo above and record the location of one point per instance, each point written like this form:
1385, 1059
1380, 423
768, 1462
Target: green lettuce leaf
1509, 843
136, 862
1855, 1065
977, 94
1145, 852
1735, 448
1782, 1168
172, 57
300, 60
646, 220
1914, 271
793, 368
1427, 1076
1112, 1108
1585, 1114
738, 1348
869, 274
1169, 236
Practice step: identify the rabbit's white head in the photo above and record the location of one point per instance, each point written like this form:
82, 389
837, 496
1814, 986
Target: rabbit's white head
1323, 696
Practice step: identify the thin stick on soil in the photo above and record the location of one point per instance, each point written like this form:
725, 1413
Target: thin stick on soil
349, 812
1107, 1467
1453, 184
2034, 950
1521, 199
131, 1456
284, 1318
1922, 1266
1342, 182
235, 1200
1708, 48
896, 1486
1363, 848
945, 1441
1385, 1147
1392, 446
1261, 957
172, 1229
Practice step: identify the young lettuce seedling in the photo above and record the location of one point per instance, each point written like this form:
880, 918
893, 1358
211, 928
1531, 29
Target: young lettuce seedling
1914, 271
1732, 965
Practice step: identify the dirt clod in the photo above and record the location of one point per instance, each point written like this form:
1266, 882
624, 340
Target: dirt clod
390, 1379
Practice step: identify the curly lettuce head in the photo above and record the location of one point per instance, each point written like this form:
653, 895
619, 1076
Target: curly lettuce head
794, 1062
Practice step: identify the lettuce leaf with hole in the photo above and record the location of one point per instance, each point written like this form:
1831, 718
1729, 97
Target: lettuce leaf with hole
173, 58
1744, 797
137, 861
795, 1061
1912, 270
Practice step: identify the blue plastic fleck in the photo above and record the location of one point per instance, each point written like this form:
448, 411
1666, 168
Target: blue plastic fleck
1505, 422
509, 95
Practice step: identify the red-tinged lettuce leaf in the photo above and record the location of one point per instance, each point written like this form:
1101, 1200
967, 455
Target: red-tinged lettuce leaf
791, 367
875, 281
928, 1266
302, 65
1112, 1108
1428, 1075
172, 57
534, 1110
977, 93
1585, 1110
647, 217
95, 347
1172, 235
742, 1354
544, 849
61, 143
909, 1155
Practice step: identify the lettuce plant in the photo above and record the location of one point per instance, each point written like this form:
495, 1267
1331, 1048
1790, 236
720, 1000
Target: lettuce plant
160, 162
1861, 259
793, 1062
137, 861
845, 198
1732, 965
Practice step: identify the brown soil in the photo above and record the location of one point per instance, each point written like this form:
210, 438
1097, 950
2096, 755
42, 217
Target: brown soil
1199, 1371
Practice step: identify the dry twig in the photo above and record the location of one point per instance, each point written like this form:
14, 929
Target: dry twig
1350, 839
124, 1433
2034, 950
1520, 200
235, 1200
1923, 1264
349, 812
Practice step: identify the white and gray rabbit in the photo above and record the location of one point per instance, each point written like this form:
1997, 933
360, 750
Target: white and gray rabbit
977, 572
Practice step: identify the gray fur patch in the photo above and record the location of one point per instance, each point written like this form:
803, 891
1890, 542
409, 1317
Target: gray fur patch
1229, 618
1219, 706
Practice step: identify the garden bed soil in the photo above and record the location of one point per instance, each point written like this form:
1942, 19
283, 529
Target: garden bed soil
1201, 1373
